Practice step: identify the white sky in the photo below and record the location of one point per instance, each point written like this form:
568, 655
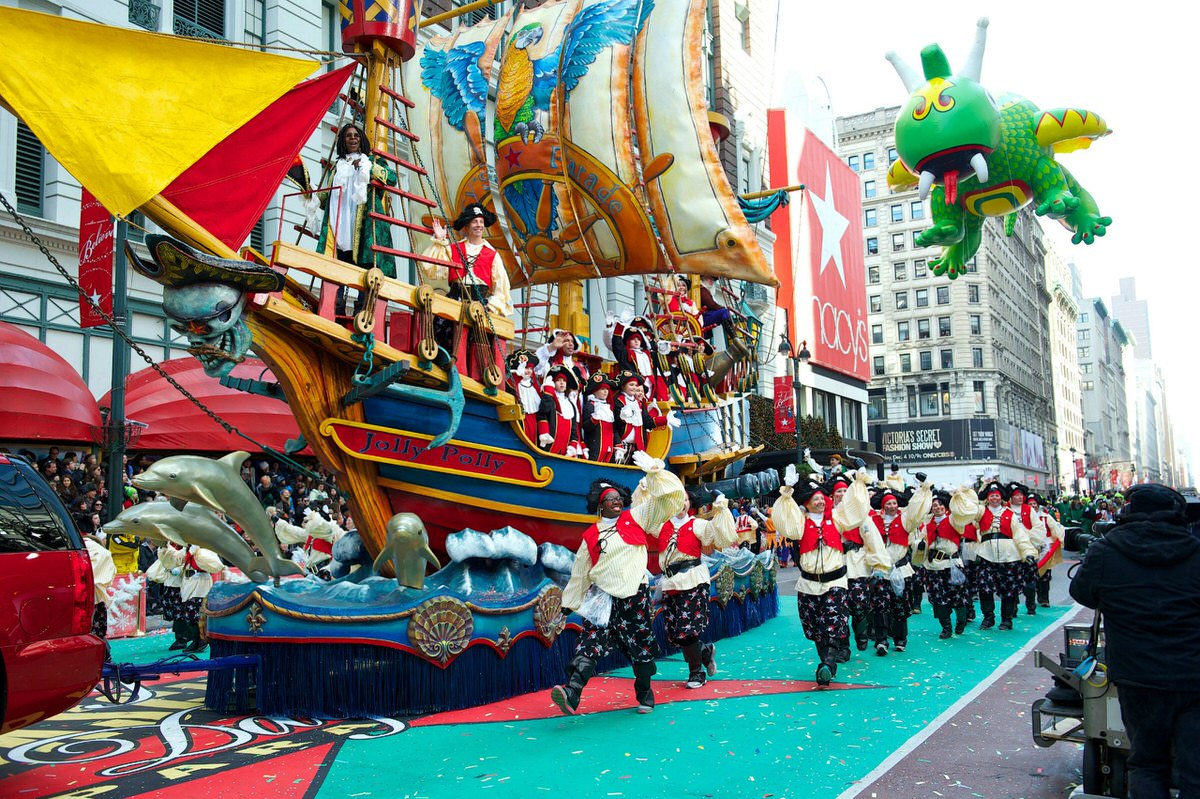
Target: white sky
1136, 67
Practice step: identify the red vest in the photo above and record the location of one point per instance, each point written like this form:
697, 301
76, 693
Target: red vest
482, 268
935, 530
854, 536
630, 531
895, 533
685, 540
827, 533
970, 533
1006, 517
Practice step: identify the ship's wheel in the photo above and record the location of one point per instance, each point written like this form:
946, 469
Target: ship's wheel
677, 327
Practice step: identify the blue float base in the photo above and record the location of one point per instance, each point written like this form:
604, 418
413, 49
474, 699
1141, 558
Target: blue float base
350, 680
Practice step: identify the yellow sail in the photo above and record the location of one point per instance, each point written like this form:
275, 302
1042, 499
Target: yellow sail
125, 111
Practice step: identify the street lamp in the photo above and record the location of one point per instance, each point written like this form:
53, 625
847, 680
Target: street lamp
1074, 471
797, 359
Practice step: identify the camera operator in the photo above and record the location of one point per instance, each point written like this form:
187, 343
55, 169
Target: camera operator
1144, 577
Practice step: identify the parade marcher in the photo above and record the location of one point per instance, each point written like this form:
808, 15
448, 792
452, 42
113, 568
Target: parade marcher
865, 554
1142, 576
1048, 536
634, 347
747, 529
558, 415
598, 431
609, 586
1006, 552
944, 575
168, 571
898, 528
685, 580
562, 350
799, 514
103, 574
198, 566
633, 420
521, 366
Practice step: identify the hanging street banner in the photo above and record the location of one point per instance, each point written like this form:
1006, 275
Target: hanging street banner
785, 405
96, 231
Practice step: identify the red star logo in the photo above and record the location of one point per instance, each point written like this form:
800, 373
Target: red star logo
513, 156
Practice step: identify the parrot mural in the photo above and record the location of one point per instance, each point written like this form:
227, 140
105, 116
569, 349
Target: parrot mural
984, 157
525, 90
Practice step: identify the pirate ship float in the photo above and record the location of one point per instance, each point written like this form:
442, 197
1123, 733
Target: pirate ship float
580, 123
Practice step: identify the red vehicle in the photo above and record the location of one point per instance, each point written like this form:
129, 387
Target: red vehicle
49, 659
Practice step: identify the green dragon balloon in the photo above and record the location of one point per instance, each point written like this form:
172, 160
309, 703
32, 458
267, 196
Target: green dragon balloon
986, 158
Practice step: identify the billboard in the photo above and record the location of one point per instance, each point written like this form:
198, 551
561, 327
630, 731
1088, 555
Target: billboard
952, 440
818, 253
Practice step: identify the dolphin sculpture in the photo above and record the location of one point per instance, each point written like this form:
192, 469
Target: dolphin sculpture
195, 524
407, 547
217, 484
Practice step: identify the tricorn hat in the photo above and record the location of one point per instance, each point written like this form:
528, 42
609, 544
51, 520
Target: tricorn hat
942, 497
473, 211
561, 371
520, 358
597, 381
994, 487
625, 377
804, 491
1015, 488
176, 264
883, 495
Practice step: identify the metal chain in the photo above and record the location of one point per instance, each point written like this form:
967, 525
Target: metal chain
133, 345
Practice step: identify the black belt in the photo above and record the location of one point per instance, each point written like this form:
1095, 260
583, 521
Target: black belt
850, 546
904, 561
994, 536
827, 577
682, 566
938, 554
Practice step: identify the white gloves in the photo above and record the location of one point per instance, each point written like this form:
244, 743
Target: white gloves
790, 475
673, 419
807, 452
664, 347
545, 440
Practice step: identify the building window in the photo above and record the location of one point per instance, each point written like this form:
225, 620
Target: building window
916, 209
1085, 352
136, 229
973, 293
980, 402
876, 303
144, 13
869, 218
929, 401
852, 162
873, 273
926, 360
922, 298
897, 242
915, 233
901, 300
977, 357
976, 324
893, 156
1087, 385
943, 326
742, 12
922, 328
876, 334
899, 271
877, 407
877, 365
258, 235
31, 172
1085, 368
872, 245
897, 213
943, 295
203, 18
972, 266
905, 363
912, 402
945, 394
868, 189
868, 160
919, 269
947, 359
1083, 317
902, 331
1085, 335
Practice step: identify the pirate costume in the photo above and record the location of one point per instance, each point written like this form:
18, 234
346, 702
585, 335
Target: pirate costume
864, 550
609, 586
685, 580
522, 380
1048, 536
558, 415
890, 601
943, 568
1006, 552
598, 420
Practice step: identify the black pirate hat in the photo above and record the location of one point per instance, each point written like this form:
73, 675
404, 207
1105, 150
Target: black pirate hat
473, 211
994, 486
519, 358
624, 377
804, 491
175, 264
1015, 488
598, 381
884, 494
560, 370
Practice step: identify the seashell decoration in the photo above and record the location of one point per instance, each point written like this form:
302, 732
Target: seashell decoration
441, 628
547, 614
724, 581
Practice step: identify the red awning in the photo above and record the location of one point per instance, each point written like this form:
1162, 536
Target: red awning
176, 424
44, 398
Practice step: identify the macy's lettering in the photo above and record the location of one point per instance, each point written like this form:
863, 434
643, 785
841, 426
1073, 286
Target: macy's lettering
588, 181
841, 333
404, 448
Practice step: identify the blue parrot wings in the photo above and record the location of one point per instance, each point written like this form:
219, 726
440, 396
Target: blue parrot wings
455, 78
593, 29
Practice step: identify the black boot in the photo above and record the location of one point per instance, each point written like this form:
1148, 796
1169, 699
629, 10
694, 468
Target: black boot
826, 667
194, 641
642, 689
1043, 590
881, 632
900, 633
1008, 611
694, 657
942, 614
971, 610
708, 656
567, 696
1031, 598
179, 627
859, 625
987, 604
840, 651
964, 616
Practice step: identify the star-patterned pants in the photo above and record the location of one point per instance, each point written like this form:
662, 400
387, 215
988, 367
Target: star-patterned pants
1005, 579
190, 610
629, 630
170, 602
858, 597
823, 617
686, 614
941, 592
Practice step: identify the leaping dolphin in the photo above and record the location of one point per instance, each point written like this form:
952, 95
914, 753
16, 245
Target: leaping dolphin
195, 524
217, 484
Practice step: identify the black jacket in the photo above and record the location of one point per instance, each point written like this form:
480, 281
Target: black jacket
1144, 576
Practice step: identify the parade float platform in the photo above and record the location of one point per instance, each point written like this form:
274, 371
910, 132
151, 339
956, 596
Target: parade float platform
481, 629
